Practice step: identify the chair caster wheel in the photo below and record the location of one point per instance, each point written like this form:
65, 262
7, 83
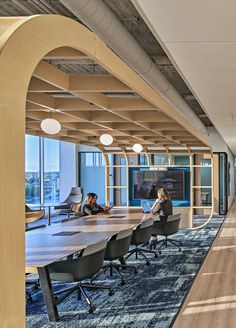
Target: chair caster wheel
30, 300
111, 292
159, 252
92, 309
35, 287
179, 250
156, 255
148, 263
123, 282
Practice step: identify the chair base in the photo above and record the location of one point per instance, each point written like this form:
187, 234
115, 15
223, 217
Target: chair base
29, 298
80, 288
116, 266
140, 251
36, 286
164, 242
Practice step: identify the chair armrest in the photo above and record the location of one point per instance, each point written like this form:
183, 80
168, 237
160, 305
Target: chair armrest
62, 207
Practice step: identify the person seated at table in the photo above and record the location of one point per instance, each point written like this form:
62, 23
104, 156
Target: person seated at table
162, 208
90, 206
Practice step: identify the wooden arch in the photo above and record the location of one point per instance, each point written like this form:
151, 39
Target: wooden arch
24, 42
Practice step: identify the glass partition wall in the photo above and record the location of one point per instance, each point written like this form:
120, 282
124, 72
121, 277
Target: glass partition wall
194, 172
122, 179
92, 174
223, 183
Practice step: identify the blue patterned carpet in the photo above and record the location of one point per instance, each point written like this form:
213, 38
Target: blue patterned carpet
149, 299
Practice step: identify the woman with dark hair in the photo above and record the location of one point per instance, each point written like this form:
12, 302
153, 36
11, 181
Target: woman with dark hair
163, 207
90, 206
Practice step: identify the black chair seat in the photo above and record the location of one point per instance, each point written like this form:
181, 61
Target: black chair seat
168, 228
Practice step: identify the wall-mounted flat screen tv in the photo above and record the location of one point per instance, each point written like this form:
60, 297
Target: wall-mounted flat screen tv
146, 184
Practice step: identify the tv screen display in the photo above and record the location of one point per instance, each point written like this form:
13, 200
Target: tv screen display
146, 184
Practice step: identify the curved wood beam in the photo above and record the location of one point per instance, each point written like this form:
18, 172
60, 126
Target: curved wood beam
24, 42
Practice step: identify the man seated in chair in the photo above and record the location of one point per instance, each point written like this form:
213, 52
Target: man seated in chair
163, 207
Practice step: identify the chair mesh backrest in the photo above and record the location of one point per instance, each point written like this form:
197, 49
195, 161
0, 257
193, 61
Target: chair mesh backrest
83, 267
172, 225
124, 233
147, 223
94, 247
75, 196
143, 232
118, 245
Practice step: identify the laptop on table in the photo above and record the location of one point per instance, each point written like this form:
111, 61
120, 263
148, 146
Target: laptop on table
146, 207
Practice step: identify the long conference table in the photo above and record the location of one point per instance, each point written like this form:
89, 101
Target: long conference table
52, 243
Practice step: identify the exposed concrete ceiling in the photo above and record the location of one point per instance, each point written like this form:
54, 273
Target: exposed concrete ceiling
132, 20
200, 38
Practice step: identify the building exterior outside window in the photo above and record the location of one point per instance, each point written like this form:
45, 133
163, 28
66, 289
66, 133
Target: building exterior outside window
42, 172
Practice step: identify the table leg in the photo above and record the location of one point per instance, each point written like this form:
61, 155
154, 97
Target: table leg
46, 286
49, 215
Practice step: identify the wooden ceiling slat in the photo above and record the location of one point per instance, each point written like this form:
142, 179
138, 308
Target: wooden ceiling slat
96, 83
88, 109
50, 74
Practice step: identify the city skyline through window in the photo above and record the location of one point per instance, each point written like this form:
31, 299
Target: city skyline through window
42, 170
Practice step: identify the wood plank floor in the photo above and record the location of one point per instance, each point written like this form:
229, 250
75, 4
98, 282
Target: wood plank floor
212, 298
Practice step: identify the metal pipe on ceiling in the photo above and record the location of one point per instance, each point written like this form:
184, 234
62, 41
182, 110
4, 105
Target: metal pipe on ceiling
101, 20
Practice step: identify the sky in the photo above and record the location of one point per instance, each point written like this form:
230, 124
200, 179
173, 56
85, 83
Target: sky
51, 154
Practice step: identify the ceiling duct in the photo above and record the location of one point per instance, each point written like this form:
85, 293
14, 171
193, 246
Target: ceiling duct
101, 20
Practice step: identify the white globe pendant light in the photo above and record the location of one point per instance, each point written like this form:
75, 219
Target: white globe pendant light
50, 126
137, 148
106, 139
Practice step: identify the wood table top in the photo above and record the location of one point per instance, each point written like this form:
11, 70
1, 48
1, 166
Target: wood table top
44, 247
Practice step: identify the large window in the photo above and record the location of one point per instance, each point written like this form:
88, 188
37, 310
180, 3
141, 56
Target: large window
51, 171
41, 170
32, 170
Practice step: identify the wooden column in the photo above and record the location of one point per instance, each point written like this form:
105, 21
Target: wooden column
12, 199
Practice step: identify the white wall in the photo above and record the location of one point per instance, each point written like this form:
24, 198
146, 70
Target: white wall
68, 168
219, 145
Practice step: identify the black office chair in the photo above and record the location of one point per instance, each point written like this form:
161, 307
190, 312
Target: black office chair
75, 197
76, 270
141, 235
170, 227
117, 247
